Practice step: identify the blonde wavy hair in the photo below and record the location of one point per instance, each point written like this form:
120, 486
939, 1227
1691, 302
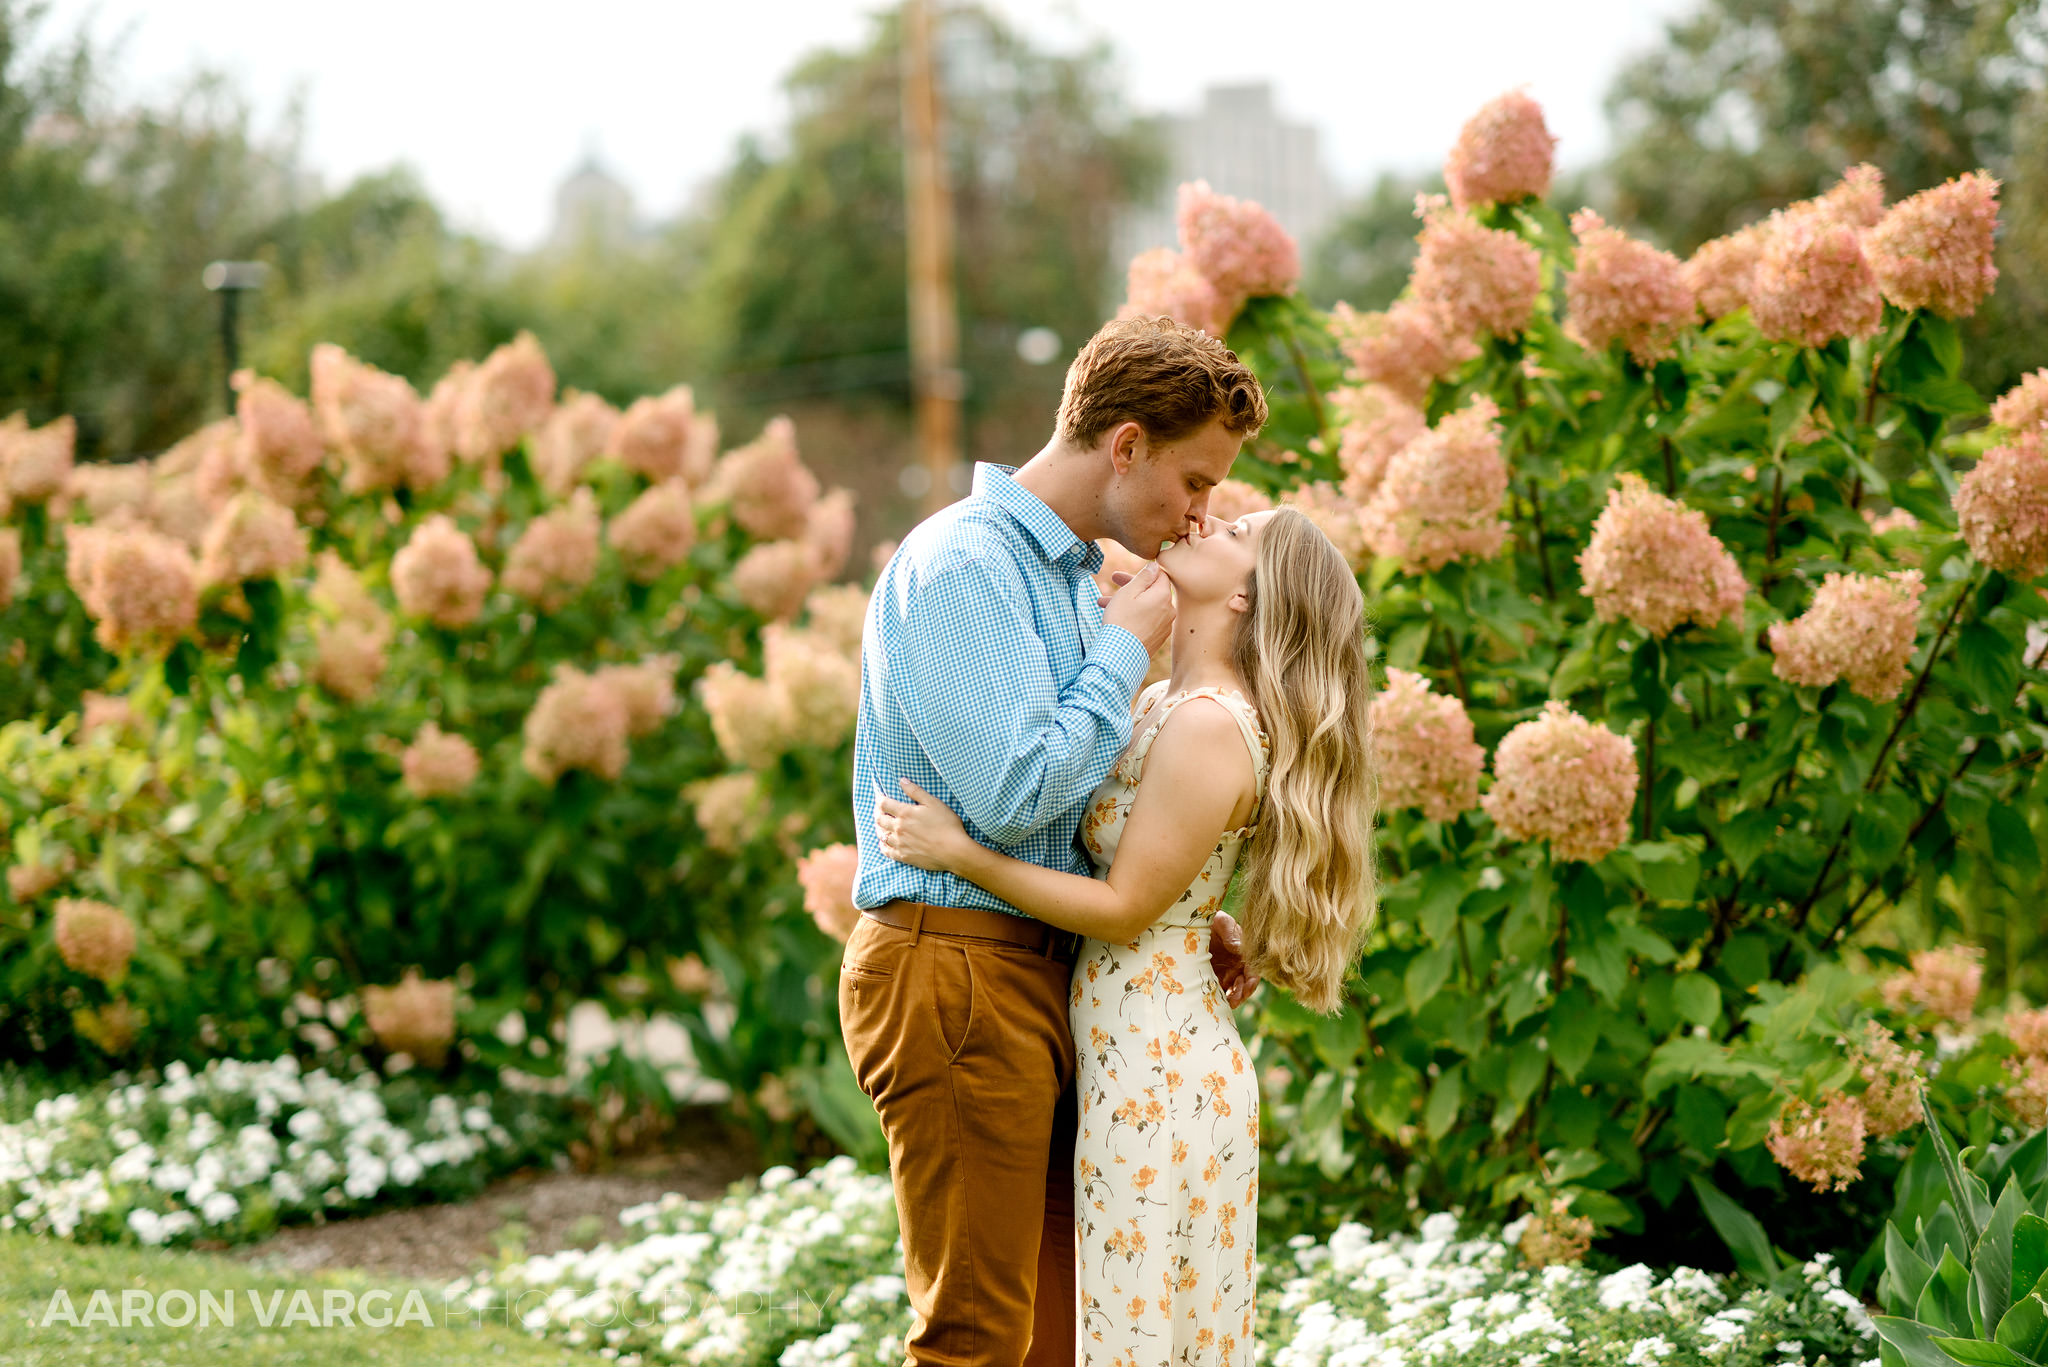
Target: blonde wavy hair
1310, 889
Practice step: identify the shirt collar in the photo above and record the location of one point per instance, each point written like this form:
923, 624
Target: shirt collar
1054, 538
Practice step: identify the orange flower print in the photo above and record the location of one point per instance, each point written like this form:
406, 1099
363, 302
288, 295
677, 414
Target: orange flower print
1145, 1178
1176, 1044
1197, 1206
1152, 1050
1154, 1112
1136, 1309
1098, 1038
1188, 1280
1214, 1169
1173, 1081
1180, 1152
1236, 1062
1193, 942
1205, 1338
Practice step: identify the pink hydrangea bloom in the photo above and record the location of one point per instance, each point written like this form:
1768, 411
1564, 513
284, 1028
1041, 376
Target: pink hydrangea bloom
652, 439
1162, 281
749, 716
647, 688
819, 684
2028, 1031
375, 421
556, 555
1652, 561
730, 810
1624, 290
1891, 1076
2027, 1094
1374, 423
10, 563
338, 590
35, 462
1479, 279
437, 575
573, 435
416, 1017
444, 404
2024, 407
139, 585
836, 614
1241, 249
1720, 272
176, 510
1933, 251
1423, 748
1233, 499
104, 709
503, 399
774, 577
212, 458
1336, 516
2002, 506
94, 938
1813, 284
279, 448
1859, 629
1821, 1146
1897, 520
1857, 199
828, 533
1440, 500
767, 485
827, 876
439, 763
578, 722
349, 658
1407, 348
1503, 153
252, 538
701, 456
654, 533
106, 490
27, 882
1943, 982
1561, 778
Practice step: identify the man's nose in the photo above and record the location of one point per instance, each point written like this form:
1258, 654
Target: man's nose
1198, 508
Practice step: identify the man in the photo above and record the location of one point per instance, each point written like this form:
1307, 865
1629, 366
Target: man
996, 679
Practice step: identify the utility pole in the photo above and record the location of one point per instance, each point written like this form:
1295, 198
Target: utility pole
229, 279
936, 381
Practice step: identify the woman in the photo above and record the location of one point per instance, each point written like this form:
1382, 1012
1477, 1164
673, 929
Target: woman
1255, 745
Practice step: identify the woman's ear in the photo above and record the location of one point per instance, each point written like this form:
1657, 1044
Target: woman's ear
1240, 601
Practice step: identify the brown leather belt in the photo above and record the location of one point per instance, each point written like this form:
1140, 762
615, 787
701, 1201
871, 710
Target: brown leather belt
1061, 946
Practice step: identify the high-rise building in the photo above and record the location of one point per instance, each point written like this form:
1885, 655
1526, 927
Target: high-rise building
1239, 143
592, 208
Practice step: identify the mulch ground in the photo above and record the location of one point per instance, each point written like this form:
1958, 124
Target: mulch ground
542, 1211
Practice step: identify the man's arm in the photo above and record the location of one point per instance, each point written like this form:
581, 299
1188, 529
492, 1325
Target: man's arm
976, 686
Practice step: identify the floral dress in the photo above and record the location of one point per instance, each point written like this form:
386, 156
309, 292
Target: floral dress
1166, 1166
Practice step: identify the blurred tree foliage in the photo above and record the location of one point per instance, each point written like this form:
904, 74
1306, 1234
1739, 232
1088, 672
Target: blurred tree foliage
1751, 104
804, 283
1365, 257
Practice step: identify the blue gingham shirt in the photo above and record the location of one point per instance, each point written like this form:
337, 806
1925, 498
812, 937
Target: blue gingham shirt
990, 681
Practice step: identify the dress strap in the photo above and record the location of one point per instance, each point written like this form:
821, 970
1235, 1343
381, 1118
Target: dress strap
1247, 724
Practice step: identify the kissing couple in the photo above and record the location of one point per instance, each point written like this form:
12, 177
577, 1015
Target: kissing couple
1044, 857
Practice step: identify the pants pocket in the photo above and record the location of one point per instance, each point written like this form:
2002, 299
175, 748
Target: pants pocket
954, 999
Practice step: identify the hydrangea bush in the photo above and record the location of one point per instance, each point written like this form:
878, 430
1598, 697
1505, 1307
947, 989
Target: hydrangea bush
232, 1151
398, 724
806, 1272
1708, 603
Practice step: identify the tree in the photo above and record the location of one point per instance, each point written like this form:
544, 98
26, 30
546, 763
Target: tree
1751, 104
1364, 258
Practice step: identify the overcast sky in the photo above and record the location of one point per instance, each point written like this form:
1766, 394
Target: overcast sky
493, 102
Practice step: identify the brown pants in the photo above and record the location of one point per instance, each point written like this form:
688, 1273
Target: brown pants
963, 1046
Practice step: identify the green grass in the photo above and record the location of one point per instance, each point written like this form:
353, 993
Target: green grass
33, 1269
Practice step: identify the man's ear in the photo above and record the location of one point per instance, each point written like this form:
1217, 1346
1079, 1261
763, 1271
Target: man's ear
1126, 444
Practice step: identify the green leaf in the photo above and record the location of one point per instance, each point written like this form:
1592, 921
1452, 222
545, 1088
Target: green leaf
1443, 889
1981, 1353
1427, 973
1697, 997
1321, 1136
2013, 838
1990, 662
1946, 395
1669, 873
1689, 1056
1959, 1195
1745, 836
1907, 1270
1444, 1100
1914, 1342
1945, 1301
1746, 1240
1701, 1116
1992, 1260
1944, 343
1574, 1030
2024, 1328
2029, 1253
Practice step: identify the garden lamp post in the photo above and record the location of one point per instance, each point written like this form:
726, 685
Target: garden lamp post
228, 279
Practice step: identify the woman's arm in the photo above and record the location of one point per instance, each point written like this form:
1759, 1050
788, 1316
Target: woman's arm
1197, 776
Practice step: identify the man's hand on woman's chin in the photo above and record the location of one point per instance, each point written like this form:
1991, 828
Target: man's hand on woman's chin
1226, 956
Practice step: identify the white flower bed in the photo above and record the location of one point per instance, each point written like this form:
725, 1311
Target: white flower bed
807, 1272
228, 1152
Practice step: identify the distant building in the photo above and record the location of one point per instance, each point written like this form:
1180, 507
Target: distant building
592, 208
1238, 142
